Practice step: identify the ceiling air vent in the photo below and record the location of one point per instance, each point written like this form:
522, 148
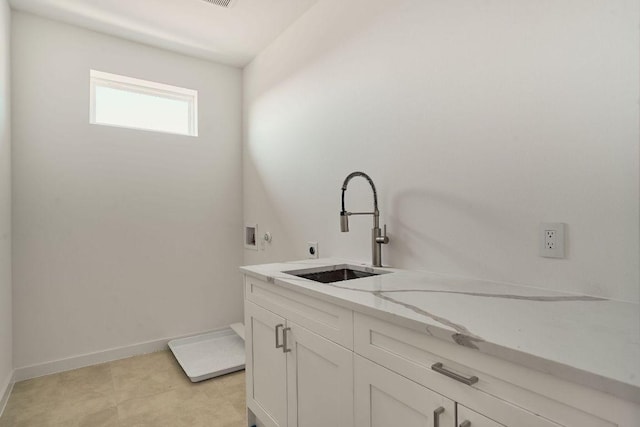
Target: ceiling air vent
221, 3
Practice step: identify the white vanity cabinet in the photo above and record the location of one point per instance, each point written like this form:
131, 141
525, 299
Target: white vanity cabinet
295, 377
312, 363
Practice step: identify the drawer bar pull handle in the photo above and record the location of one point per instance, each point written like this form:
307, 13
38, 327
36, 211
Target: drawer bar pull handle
284, 340
438, 367
436, 416
278, 326
466, 423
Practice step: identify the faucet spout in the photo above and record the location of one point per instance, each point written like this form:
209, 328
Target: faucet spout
369, 180
377, 238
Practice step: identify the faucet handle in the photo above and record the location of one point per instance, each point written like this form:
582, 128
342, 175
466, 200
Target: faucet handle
384, 239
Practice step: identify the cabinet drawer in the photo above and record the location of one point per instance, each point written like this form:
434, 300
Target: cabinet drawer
328, 320
473, 419
507, 401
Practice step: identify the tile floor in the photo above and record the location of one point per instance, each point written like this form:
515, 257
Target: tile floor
149, 390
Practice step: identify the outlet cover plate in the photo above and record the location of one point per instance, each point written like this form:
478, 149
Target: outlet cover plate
552, 239
312, 250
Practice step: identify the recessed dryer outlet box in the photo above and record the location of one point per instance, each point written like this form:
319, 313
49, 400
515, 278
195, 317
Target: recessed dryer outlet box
552, 239
251, 236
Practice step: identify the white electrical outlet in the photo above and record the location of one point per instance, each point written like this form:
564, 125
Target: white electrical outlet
312, 249
552, 239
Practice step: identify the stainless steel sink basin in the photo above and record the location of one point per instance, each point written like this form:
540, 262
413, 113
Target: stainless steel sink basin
337, 273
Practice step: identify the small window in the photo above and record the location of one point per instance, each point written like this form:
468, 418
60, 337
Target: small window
140, 104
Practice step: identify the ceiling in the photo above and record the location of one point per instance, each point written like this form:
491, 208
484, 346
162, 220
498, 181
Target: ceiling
233, 35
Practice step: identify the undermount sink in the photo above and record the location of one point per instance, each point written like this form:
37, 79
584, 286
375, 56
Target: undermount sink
336, 273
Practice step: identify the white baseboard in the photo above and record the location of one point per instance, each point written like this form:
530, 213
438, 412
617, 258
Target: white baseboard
5, 391
75, 362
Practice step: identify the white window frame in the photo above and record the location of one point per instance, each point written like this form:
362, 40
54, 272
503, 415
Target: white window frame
130, 84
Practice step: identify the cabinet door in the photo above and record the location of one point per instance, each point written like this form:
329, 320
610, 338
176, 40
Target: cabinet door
266, 366
469, 418
320, 380
386, 399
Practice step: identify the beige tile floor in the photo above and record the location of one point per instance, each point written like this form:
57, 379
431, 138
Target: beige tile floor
149, 390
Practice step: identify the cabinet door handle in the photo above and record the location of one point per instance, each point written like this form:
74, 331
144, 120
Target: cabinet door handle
436, 416
284, 340
466, 423
278, 326
438, 367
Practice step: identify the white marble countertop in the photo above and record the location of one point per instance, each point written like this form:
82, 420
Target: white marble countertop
590, 341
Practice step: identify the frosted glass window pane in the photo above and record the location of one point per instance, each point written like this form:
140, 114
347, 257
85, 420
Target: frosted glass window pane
137, 110
133, 103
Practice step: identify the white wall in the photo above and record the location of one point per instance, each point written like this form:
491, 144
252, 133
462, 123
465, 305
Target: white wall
476, 120
6, 340
120, 236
